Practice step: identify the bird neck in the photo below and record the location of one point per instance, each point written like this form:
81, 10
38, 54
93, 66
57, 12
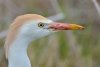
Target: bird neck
18, 53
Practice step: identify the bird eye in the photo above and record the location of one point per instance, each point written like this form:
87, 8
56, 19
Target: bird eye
41, 25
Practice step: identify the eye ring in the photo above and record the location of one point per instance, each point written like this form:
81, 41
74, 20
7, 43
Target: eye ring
41, 25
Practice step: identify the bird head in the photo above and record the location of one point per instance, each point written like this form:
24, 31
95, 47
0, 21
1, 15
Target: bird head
32, 27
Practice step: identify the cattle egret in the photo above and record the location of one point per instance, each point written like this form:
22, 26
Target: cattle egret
25, 29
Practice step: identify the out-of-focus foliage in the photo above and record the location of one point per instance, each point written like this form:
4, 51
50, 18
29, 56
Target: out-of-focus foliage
62, 49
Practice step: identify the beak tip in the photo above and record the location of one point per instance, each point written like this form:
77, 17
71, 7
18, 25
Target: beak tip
77, 27
82, 28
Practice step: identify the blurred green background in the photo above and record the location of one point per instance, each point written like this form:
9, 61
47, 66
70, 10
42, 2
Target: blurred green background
62, 49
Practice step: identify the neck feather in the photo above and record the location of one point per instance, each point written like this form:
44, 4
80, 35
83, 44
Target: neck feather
18, 53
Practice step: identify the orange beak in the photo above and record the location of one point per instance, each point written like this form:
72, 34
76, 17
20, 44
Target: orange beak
65, 26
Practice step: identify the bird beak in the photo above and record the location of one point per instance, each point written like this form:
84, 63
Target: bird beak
65, 26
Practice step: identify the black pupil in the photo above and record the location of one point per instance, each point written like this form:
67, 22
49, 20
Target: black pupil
41, 24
